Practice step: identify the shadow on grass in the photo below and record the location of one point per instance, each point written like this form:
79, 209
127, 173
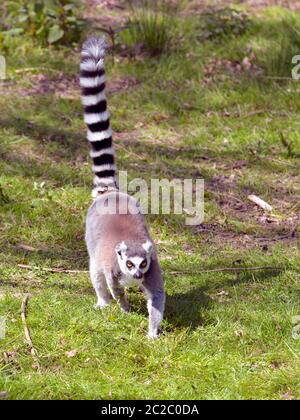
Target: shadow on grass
253, 276
43, 133
74, 256
185, 309
19, 164
181, 310
71, 144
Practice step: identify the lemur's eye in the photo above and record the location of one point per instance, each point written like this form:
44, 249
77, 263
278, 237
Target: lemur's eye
129, 264
143, 264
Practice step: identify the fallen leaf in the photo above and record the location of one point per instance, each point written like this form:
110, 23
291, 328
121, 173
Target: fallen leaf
71, 353
27, 247
62, 341
288, 396
222, 293
275, 365
9, 355
246, 63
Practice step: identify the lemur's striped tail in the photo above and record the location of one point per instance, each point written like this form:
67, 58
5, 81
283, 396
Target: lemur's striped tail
96, 116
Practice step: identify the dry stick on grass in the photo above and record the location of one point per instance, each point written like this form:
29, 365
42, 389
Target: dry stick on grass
33, 69
51, 270
111, 32
252, 113
27, 333
129, 152
259, 202
213, 270
228, 269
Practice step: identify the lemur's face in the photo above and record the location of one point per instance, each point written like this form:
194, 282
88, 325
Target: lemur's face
134, 260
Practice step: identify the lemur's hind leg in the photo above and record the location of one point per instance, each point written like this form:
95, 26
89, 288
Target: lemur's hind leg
117, 291
100, 286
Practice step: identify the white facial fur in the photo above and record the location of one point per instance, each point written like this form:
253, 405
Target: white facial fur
136, 271
148, 246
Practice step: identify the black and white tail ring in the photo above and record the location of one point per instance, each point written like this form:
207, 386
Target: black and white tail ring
96, 116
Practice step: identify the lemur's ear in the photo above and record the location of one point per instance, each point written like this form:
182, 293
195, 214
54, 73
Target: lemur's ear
148, 247
122, 247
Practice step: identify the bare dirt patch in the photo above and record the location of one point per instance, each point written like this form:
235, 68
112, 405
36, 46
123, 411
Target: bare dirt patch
216, 234
121, 84
41, 84
105, 13
217, 68
267, 229
199, 6
289, 4
61, 85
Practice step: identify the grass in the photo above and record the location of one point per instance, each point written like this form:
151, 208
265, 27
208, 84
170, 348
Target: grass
225, 336
150, 26
281, 44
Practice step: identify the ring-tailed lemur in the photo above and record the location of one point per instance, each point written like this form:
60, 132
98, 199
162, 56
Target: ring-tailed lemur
119, 245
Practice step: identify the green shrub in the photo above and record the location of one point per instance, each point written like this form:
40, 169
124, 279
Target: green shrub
3, 197
223, 22
150, 26
276, 58
46, 21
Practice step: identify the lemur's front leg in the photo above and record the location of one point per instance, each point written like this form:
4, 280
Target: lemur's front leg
155, 305
117, 291
153, 288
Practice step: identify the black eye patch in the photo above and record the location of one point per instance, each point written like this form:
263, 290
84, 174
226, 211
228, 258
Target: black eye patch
143, 264
129, 264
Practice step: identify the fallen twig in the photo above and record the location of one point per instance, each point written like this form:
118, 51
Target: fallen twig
277, 78
33, 69
252, 113
129, 152
111, 32
213, 270
259, 202
226, 269
27, 333
51, 270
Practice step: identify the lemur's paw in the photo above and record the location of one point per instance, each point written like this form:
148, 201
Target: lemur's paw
125, 307
101, 305
152, 335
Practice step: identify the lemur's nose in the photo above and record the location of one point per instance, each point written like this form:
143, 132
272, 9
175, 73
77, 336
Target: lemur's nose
138, 275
